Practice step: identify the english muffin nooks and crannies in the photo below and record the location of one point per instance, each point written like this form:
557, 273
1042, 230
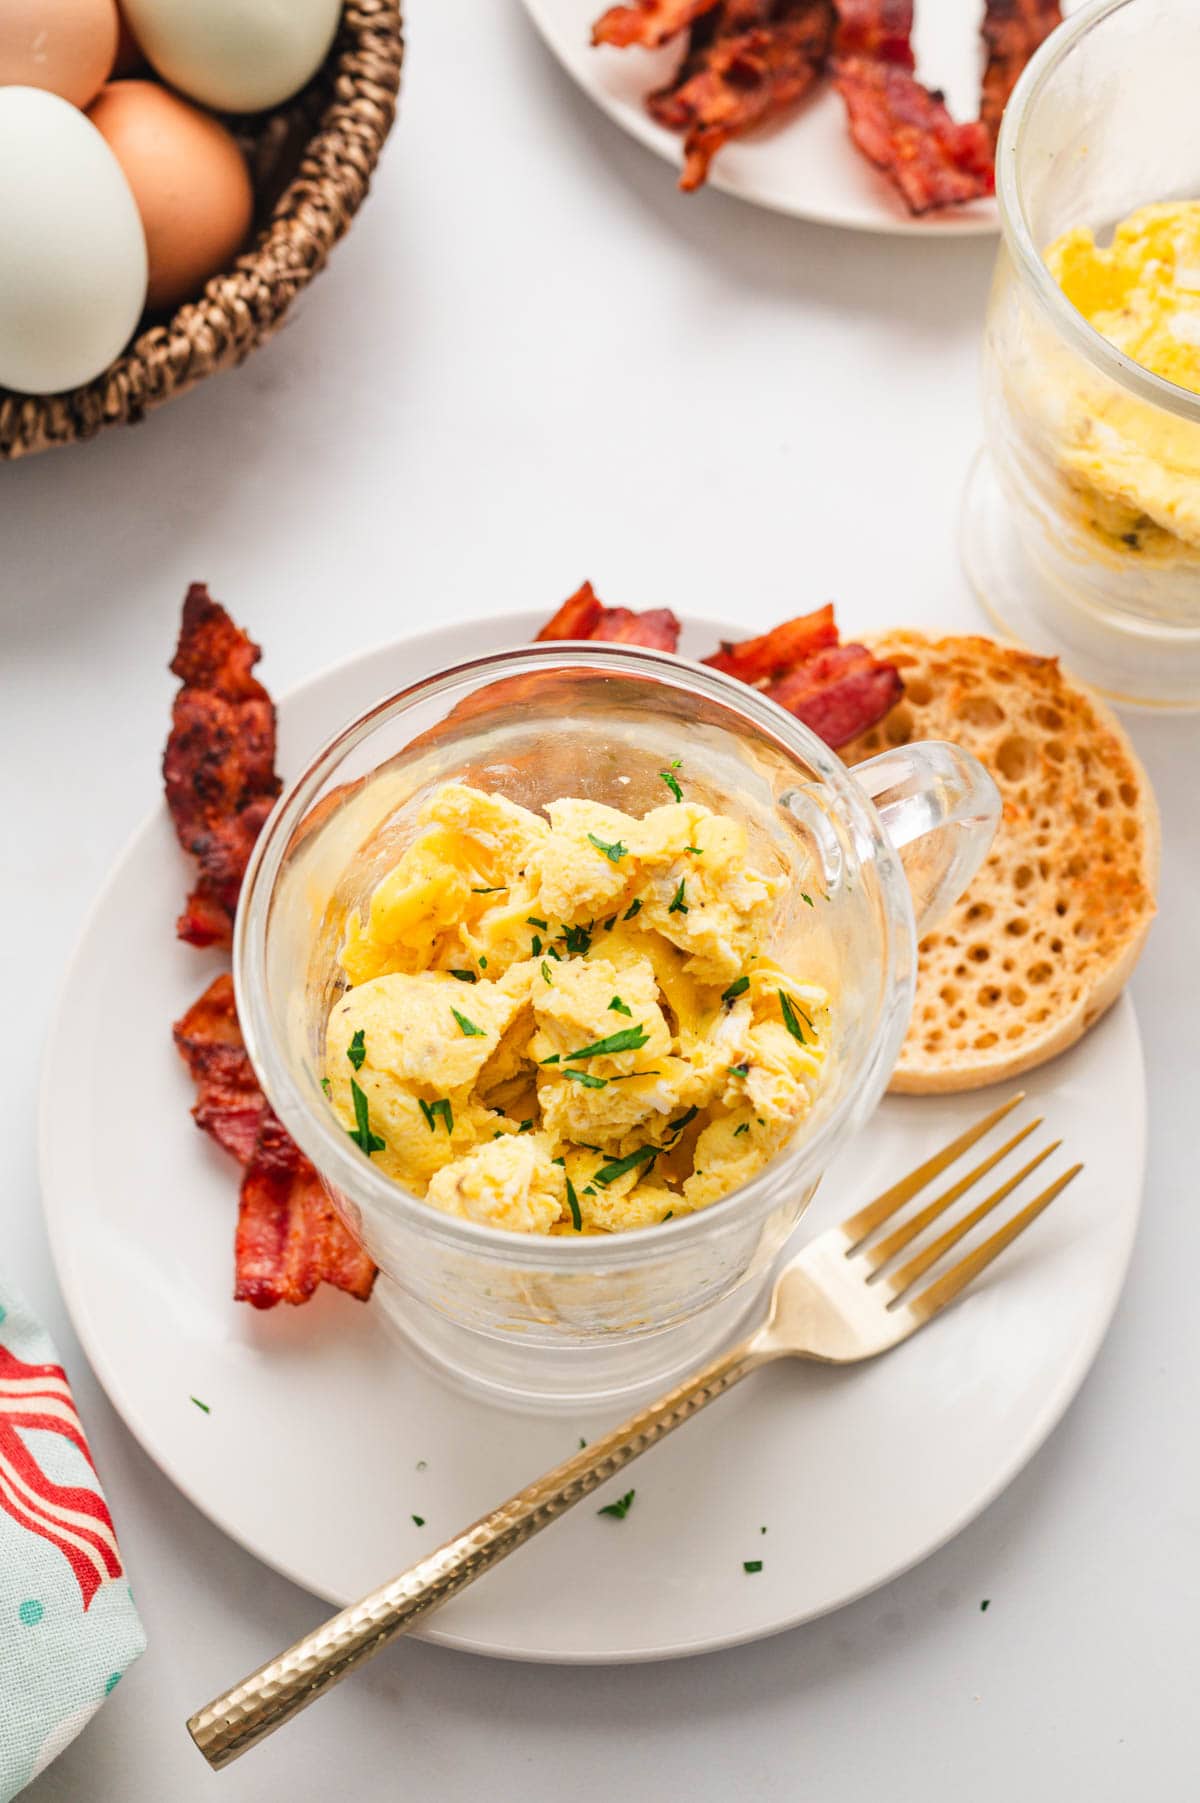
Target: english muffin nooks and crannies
1047, 934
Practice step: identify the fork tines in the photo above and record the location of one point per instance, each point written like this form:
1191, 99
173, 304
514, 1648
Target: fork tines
879, 1253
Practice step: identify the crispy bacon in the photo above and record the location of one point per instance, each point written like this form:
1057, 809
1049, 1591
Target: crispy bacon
648, 22
905, 130
582, 616
746, 60
839, 692
877, 28
1012, 31
289, 1236
219, 765
755, 660
229, 1104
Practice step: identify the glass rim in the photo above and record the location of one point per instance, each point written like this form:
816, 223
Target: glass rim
325, 1143
1018, 235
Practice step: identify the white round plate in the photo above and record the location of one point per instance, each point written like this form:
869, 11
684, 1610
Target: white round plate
325, 1439
803, 163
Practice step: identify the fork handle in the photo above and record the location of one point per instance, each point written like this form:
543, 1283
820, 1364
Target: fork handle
271, 1696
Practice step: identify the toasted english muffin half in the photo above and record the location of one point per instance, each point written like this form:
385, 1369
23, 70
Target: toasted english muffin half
1046, 936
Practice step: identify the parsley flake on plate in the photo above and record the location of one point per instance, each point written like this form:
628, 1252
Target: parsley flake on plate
420, 1520
206, 1410
619, 1509
469, 1029
629, 1039
356, 1051
617, 1006
614, 852
752, 1565
361, 1133
808, 899
327, 1086
672, 783
578, 940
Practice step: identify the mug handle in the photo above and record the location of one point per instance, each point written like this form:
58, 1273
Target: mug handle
940, 809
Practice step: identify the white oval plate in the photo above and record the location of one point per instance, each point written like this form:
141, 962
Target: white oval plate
325, 1438
803, 164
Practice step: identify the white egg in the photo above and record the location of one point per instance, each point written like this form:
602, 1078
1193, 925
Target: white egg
237, 55
73, 267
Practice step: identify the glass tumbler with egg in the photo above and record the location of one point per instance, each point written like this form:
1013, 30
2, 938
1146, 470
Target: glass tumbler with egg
1081, 528
566, 1208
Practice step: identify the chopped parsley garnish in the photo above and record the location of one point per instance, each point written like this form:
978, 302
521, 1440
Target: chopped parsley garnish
576, 1222
422, 1464
497, 889
553, 1059
582, 1442
327, 1086
635, 907
531, 920
629, 1039
808, 899
669, 1215
982, 1607
557, 956
208, 1411
483, 964
744, 1128
630, 1075
420, 1520
546, 977
468, 1027
588, 1190
679, 903
671, 780
752, 1565
684, 1120
587, 1079
360, 1133
579, 941
619, 1166
614, 852
431, 1111
697, 851
739, 1070
610, 923
356, 1051
535, 946
619, 1509
617, 1006
525, 1127
736, 989
465, 976
789, 1018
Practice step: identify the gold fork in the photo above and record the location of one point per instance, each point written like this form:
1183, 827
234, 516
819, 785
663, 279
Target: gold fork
836, 1302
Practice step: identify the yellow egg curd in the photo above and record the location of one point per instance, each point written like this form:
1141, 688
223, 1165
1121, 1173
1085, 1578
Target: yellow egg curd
571, 1025
1138, 465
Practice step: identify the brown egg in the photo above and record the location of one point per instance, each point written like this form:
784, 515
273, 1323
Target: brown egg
66, 46
189, 179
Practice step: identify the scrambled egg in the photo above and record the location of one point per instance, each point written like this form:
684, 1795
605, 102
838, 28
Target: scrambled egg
1137, 466
571, 1025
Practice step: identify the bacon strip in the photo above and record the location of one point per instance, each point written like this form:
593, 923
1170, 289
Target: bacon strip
219, 765
229, 1104
839, 693
876, 28
746, 60
648, 22
755, 660
905, 130
1012, 31
289, 1236
582, 616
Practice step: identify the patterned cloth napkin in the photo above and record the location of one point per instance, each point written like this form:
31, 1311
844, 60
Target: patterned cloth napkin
68, 1627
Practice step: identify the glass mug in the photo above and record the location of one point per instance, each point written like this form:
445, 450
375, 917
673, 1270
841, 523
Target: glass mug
538, 1320
1070, 537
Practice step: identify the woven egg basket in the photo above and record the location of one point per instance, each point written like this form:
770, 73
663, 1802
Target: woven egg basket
311, 162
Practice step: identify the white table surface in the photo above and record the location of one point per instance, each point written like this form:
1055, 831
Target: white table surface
533, 362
